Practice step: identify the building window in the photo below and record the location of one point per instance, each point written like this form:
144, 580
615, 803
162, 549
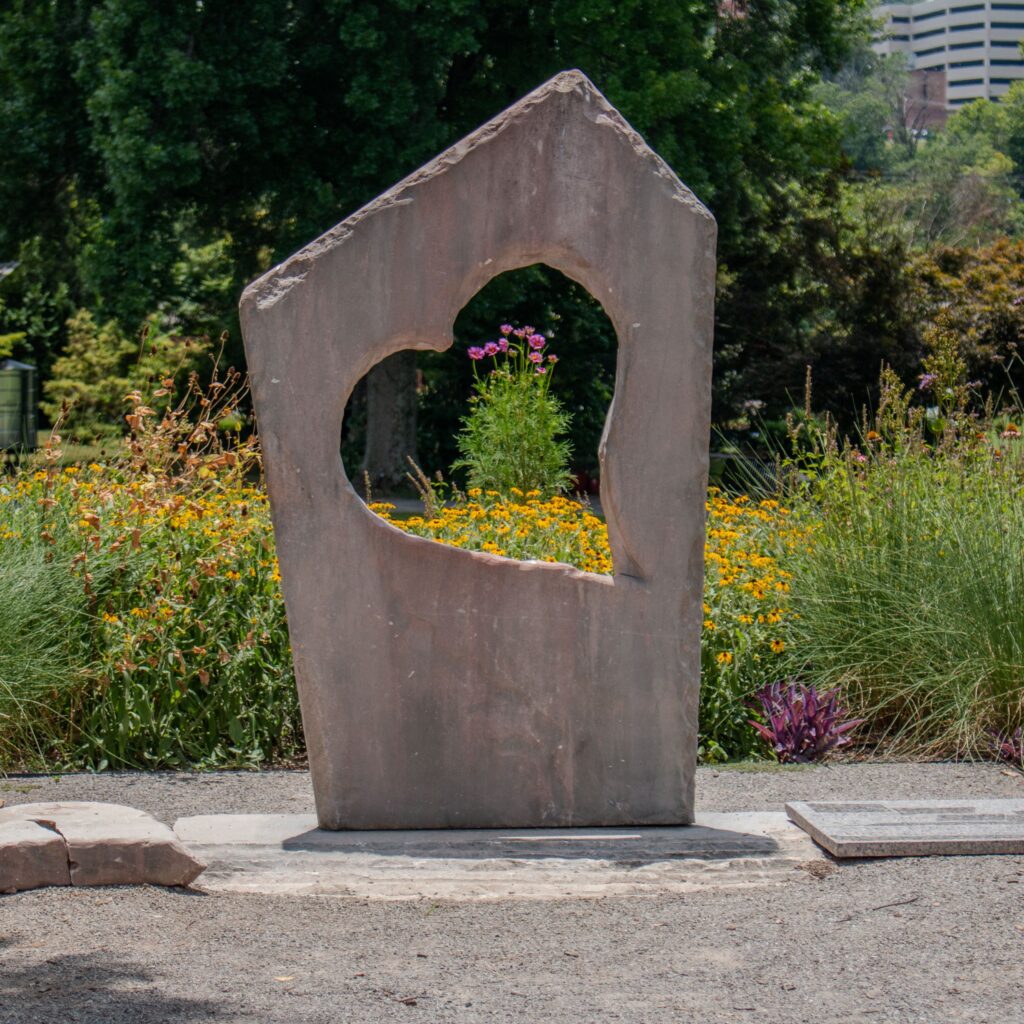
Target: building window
967, 64
964, 10
1003, 81
1008, 24
1006, 7
965, 46
925, 35
929, 16
1008, 63
900, 39
1001, 42
926, 53
963, 82
967, 28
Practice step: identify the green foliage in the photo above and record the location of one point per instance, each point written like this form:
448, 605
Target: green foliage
908, 597
7, 342
977, 296
44, 638
868, 95
513, 436
143, 624
101, 365
158, 127
577, 324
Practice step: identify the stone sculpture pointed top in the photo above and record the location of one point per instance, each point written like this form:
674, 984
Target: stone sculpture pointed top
443, 687
574, 91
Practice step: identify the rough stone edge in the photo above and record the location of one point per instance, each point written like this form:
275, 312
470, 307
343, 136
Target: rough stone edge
191, 865
276, 283
41, 849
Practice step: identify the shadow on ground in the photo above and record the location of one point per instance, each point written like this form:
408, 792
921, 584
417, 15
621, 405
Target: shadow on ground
92, 987
623, 846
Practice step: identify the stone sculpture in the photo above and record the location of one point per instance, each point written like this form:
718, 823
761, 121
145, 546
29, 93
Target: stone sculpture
444, 688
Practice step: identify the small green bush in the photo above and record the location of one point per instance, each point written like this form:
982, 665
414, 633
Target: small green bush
101, 364
513, 437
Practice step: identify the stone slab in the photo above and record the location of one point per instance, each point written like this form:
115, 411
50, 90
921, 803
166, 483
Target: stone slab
31, 856
287, 853
104, 844
443, 688
913, 828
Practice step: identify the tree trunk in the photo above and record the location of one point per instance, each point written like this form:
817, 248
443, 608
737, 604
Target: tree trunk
390, 421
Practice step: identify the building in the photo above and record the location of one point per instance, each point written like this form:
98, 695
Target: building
972, 50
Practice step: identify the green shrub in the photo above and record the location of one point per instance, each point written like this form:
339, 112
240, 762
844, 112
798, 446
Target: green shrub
511, 437
101, 364
911, 596
143, 625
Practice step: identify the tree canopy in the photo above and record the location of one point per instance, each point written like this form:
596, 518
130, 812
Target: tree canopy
154, 157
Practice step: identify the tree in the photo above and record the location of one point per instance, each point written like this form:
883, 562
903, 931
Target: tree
168, 128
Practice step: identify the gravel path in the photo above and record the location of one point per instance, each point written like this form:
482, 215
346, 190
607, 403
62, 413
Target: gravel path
746, 787
932, 940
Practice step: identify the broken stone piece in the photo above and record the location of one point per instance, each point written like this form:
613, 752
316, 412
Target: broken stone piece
89, 844
31, 855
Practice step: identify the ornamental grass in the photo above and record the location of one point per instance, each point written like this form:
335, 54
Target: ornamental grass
911, 598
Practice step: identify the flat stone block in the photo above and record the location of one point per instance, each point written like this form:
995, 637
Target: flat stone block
100, 844
288, 853
913, 828
31, 856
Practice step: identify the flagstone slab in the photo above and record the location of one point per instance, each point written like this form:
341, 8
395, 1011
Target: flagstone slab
912, 828
288, 853
97, 843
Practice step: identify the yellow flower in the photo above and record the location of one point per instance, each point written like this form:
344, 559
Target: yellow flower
724, 657
778, 646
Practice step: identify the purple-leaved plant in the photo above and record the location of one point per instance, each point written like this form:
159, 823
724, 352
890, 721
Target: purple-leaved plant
800, 724
1009, 747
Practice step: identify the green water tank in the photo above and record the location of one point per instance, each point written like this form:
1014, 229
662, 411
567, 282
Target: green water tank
17, 406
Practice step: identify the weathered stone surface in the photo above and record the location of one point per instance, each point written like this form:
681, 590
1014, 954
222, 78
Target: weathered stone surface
287, 853
913, 828
443, 688
31, 856
100, 844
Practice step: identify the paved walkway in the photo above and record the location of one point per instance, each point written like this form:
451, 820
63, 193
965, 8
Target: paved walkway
930, 940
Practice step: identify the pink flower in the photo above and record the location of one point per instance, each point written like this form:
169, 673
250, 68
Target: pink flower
535, 357
506, 329
520, 332
503, 344
536, 340
475, 352
552, 358
528, 330
541, 370
491, 348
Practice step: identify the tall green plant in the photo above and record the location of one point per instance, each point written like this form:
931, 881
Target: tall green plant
513, 437
910, 597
